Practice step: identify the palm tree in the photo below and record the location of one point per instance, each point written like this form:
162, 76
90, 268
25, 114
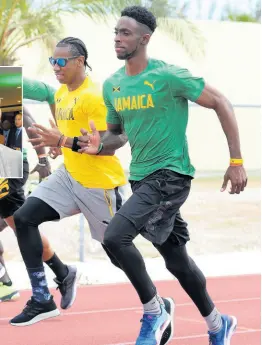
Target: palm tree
253, 16
23, 22
172, 21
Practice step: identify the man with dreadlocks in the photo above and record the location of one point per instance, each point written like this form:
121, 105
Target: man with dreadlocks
91, 185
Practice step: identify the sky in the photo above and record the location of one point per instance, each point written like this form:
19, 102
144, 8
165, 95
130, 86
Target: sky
194, 13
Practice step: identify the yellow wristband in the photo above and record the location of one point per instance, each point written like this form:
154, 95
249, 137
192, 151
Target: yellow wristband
236, 161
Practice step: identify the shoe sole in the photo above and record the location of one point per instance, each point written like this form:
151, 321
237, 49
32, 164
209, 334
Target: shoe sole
232, 329
74, 294
172, 312
38, 318
14, 296
167, 323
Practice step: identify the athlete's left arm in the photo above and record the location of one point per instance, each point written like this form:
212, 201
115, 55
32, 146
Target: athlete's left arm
113, 138
106, 137
102, 143
43, 167
213, 99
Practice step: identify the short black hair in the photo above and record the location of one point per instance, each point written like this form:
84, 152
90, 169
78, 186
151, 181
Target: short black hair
77, 48
142, 15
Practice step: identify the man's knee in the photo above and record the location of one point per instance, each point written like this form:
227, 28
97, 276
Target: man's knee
176, 269
111, 257
20, 219
112, 240
30, 213
176, 259
119, 233
182, 267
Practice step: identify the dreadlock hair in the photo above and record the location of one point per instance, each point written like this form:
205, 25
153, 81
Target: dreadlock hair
142, 15
76, 46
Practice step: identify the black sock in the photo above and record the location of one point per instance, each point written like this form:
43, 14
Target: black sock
57, 266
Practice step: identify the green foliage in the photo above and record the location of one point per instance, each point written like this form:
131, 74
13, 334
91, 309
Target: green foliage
252, 16
23, 22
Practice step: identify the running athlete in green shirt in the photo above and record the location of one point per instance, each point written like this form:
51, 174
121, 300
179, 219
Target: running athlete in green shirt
152, 105
148, 99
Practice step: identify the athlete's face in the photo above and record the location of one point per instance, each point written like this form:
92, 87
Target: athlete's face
18, 121
66, 74
130, 38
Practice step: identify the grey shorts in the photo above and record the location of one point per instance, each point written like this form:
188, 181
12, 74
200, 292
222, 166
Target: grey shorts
68, 197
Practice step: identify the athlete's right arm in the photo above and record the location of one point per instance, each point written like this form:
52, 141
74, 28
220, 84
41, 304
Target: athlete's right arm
38, 91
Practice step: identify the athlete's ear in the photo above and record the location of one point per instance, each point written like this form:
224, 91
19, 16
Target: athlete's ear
80, 61
145, 39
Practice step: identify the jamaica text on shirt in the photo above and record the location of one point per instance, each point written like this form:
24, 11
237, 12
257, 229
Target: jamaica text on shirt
134, 102
64, 114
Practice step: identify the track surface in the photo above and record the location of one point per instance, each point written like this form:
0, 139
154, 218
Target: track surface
110, 315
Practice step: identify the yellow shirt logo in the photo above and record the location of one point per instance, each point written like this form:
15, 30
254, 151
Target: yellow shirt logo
150, 84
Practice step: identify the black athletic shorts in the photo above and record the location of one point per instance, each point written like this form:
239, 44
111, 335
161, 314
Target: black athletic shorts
12, 194
154, 207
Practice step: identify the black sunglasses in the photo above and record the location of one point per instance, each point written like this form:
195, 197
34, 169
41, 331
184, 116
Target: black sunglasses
61, 62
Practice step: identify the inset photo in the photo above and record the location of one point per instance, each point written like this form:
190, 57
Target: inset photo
11, 122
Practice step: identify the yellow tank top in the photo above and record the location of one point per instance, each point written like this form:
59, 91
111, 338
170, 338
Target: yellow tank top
74, 110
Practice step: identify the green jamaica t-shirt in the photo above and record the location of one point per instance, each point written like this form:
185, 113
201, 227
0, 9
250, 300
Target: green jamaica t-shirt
153, 110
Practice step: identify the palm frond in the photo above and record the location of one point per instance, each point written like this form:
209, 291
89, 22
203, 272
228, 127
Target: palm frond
27, 25
185, 33
6, 22
97, 10
13, 40
27, 42
26, 21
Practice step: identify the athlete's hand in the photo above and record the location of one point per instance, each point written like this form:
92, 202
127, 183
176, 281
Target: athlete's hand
43, 171
238, 178
89, 143
47, 136
54, 152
